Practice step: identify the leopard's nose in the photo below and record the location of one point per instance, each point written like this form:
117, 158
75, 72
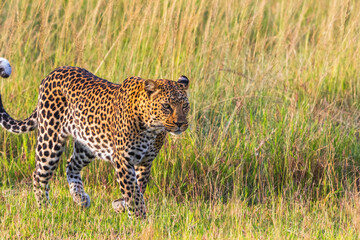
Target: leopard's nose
179, 124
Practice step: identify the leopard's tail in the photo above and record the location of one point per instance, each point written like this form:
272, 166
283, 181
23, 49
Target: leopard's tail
7, 122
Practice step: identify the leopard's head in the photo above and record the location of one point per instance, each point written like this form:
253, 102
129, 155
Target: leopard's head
168, 103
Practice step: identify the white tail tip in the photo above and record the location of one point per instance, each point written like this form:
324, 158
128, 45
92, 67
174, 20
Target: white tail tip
5, 68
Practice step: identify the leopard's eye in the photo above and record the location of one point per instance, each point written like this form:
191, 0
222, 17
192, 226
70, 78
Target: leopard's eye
166, 106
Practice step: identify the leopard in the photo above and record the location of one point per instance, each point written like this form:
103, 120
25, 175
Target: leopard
125, 124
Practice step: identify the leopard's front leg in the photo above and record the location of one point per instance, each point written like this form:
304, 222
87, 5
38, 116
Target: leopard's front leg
133, 199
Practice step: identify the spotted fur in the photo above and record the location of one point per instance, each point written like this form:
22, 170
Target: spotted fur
124, 124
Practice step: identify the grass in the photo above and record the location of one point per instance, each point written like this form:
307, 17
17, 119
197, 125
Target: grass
273, 145
168, 218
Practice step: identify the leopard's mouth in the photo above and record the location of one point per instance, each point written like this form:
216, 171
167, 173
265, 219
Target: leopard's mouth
176, 128
177, 132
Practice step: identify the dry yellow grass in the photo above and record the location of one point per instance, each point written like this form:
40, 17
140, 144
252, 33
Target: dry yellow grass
273, 146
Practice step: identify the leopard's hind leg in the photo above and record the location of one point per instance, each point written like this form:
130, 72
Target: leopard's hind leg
80, 158
50, 146
52, 135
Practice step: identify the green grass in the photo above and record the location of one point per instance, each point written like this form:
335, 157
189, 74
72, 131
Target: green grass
272, 150
168, 218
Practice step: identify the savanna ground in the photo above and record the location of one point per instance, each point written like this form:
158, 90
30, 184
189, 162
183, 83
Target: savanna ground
273, 147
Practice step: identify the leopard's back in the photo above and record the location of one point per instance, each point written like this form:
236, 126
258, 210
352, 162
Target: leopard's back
81, 104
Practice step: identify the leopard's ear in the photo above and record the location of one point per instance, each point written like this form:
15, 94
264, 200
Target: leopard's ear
150, 86
184, 81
